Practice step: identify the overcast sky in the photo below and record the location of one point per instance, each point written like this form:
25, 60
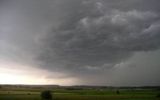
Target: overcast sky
80, 42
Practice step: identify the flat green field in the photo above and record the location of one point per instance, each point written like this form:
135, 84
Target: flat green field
84, 94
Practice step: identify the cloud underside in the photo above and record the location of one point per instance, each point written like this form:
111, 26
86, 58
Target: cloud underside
81, 38
95, 33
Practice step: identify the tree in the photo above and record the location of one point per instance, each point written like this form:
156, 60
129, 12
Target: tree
117, 92
46, 95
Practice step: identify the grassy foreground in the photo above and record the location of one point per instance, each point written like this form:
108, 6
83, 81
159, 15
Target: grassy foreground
80, 94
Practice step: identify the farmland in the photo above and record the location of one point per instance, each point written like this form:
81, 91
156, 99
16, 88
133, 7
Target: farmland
78, 93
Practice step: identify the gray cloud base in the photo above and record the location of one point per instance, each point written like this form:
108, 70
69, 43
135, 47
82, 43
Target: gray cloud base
81, 38
92, 35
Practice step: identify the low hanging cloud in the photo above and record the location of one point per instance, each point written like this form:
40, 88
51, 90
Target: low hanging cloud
82, 39
101, 33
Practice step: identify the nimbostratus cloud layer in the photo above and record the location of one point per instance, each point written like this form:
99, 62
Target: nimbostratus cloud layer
95, 34
83, 38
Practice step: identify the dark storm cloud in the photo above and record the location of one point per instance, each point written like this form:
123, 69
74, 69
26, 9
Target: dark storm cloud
81, 38
100, 32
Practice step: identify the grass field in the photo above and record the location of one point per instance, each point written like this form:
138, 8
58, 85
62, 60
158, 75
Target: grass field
81, 94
